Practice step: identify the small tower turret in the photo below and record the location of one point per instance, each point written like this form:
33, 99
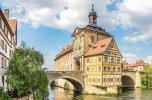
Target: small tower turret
92, 16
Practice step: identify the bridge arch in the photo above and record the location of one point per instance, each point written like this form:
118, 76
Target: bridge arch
77, 82
128, 81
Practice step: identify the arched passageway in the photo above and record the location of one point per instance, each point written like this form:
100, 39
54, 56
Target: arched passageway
127, 83
78, 86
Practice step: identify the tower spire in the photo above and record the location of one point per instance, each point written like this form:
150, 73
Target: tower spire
92, 16
92, 5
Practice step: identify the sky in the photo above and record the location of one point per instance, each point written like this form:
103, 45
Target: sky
47, 25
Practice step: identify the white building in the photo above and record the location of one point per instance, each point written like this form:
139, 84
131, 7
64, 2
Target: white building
8, 41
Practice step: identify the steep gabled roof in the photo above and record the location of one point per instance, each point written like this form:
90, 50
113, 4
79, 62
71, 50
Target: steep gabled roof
99, 47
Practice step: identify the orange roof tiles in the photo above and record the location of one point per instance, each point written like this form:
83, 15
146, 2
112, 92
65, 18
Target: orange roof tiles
99, 47
138, 63
65, 50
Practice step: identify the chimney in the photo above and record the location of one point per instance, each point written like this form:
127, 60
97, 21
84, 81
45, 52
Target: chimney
6, 14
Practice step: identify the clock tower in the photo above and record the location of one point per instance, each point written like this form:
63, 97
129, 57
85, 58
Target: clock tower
82, 39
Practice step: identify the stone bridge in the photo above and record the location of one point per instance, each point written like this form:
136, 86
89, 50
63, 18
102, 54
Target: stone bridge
131, 79
75, 77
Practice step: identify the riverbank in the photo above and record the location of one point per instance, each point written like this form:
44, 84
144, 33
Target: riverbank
90, 90
56, 93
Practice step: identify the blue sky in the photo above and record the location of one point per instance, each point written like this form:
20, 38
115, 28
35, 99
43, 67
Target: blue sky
47, 25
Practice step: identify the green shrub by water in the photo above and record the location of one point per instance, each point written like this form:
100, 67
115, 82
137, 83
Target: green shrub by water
146, 78
25, 74
4, 95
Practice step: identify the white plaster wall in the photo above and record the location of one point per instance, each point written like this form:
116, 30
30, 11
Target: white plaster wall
7, 54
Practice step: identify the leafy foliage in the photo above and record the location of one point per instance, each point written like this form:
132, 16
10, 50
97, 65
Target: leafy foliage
147, 77
66, 85
25, 74
3, 95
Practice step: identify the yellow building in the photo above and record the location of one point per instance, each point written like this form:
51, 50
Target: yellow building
93, 51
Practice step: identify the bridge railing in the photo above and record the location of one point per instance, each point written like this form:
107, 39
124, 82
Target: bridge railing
65, 71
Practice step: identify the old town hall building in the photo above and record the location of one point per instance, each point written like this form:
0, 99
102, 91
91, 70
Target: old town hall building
95, 53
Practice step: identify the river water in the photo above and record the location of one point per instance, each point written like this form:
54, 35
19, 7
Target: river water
56, 93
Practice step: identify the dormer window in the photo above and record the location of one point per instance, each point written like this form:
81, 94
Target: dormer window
102, 46
94, 47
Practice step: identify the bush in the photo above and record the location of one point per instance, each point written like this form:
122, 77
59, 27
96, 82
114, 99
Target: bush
146, 78
66, 86
25, 74
93, 93
85, 92
4, 95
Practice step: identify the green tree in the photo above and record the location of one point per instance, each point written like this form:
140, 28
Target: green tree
4, 95
25, 74
66, 85
147, 77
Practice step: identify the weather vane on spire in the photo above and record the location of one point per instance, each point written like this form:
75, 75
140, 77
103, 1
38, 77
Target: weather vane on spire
92, 5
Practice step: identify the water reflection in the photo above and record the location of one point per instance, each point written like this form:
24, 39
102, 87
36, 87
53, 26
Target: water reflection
56, 93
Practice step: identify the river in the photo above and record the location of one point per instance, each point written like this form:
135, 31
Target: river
56, 93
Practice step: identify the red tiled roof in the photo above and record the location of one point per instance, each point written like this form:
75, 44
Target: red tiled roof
65, 50
138, 63
99, 47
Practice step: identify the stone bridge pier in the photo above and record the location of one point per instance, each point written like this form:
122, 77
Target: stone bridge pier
74, 77
131, 79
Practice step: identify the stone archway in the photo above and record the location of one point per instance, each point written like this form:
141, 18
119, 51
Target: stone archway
127, 82
78, 86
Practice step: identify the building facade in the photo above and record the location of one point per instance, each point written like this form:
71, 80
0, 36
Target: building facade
95, 53
137, 66
8, 42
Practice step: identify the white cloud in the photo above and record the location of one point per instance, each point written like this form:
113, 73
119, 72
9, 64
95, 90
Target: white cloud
68, 14
136, 14
49, 60
65, 14
144, 36
131, 58
148, 59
